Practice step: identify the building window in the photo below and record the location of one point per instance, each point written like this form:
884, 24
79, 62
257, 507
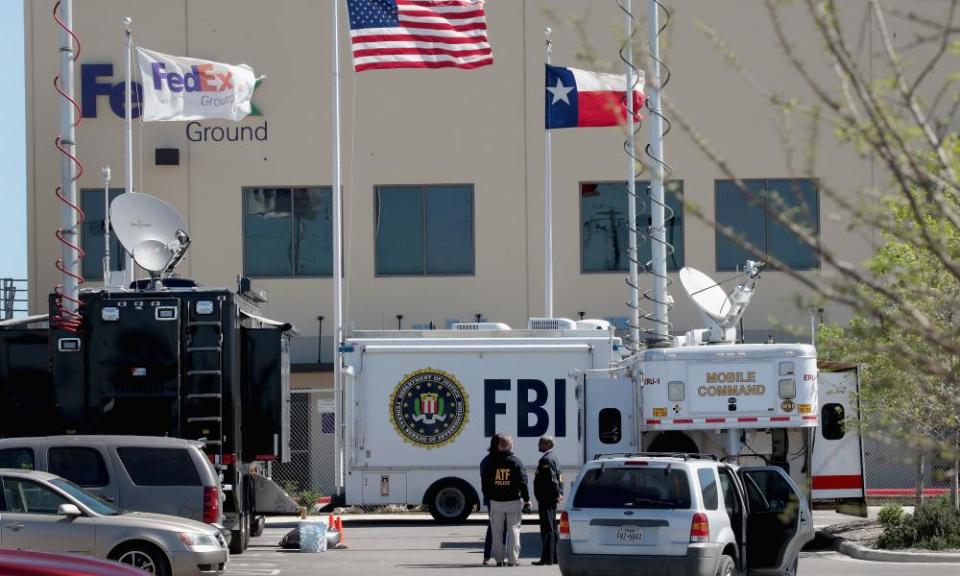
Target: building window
91, 238
424, 230
288, 232
748, 214
603, 225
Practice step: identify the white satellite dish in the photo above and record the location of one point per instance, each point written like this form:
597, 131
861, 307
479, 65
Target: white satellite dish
152, 255
705, 293
150, 230
720, 311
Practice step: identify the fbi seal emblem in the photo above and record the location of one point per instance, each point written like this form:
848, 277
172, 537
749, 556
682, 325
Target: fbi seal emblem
429, 408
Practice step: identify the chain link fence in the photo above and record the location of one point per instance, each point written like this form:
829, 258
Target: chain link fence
896, 468
309, 476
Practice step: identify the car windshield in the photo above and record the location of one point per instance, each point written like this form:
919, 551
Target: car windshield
95, 504
627, 487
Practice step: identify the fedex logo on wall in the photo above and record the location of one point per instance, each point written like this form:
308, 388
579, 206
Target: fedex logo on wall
202, 78
96, 81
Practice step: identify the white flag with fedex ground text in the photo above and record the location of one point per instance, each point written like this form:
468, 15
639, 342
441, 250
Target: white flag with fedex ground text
179, 88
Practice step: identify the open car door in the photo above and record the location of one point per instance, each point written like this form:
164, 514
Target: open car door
779, 522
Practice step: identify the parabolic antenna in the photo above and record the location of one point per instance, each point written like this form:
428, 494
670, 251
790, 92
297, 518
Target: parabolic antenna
152, 255
150, 230
705, 293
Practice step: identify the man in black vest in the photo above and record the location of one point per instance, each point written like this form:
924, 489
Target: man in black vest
505, 483
548, 489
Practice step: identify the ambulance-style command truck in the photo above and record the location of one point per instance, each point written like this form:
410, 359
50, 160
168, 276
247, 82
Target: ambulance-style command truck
418, 407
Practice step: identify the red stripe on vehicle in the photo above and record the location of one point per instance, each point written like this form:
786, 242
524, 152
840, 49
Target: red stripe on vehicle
683, 420
838, 482
653, 421
779, 418
810, 418
747, 419
715, 420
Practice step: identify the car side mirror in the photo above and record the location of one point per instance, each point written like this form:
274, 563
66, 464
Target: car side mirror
69, 510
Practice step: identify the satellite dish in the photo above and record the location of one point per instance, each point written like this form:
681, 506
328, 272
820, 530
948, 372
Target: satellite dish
705, 293
150, 230
152, 255
720, 312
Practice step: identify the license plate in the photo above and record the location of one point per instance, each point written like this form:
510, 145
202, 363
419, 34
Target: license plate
629, 535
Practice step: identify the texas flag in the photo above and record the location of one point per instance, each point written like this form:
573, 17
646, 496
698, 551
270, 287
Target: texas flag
579, 99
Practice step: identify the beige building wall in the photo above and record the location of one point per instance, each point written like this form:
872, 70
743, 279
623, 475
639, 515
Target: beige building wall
483, 127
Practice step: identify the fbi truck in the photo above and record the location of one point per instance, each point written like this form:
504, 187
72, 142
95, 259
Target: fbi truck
417, 408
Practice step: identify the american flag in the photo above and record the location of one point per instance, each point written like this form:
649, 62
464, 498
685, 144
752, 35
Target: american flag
418, 34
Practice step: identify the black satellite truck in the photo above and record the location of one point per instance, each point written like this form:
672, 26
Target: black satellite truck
180, 361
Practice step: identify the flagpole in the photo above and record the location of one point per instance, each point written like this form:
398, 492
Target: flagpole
632, 256
658, 240
548, 203
337, 247
128, 273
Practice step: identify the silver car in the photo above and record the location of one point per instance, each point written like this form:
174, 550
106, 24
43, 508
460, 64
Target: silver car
41, 511
682, 515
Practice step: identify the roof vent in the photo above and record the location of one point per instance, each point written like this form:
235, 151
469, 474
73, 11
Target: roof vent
551, 324
480, 326
598, 325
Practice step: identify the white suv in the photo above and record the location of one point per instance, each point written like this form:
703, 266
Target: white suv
681, 514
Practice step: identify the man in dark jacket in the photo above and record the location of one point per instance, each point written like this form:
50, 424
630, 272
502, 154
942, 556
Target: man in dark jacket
504, 481
548, 489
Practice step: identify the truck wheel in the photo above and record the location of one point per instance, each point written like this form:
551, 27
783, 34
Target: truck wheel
726, 566
258, 525
239, 538
450, 501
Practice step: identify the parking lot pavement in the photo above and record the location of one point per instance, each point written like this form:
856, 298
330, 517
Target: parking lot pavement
384, 548
392, 547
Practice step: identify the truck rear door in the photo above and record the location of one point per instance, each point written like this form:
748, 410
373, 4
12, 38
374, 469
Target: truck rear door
837, 460
609, 415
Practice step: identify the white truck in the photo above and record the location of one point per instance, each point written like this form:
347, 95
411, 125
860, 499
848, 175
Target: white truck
417, 408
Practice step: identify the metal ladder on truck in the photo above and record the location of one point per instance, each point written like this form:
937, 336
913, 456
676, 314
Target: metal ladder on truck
203, 358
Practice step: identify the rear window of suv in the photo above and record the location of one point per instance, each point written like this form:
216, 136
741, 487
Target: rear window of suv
628, 487
17, 458
159, 466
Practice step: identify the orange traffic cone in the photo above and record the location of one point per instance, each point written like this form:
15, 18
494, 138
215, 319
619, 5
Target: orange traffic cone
330, 524
343, 539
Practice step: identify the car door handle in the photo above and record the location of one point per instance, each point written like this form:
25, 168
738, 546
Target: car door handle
15, 526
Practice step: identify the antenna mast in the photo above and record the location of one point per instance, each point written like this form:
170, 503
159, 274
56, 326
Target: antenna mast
658, 241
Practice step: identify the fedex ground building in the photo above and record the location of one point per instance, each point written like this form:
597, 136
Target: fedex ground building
443, 170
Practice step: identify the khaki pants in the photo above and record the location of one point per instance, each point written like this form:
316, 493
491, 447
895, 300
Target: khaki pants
510, 513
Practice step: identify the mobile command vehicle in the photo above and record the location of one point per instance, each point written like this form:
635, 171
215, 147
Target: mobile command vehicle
418, 407
163, 357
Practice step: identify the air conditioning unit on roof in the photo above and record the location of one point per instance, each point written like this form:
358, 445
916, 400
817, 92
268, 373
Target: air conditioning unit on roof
551, 324
480, 326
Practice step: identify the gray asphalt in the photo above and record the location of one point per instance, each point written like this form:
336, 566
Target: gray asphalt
383, 549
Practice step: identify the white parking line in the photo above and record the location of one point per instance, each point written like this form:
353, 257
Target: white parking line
252, 569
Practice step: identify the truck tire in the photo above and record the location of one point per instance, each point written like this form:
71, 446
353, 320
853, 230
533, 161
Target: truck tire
450, 500
240, 538
726, 567
256, 529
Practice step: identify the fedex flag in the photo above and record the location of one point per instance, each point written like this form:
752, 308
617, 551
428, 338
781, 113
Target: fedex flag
176, 88
577, 98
